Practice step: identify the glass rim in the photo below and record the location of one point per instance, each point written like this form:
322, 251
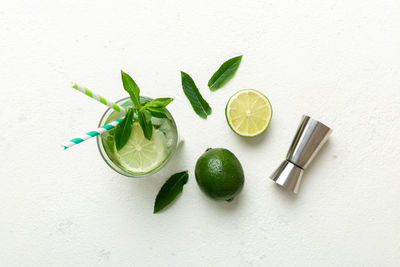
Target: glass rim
117, 168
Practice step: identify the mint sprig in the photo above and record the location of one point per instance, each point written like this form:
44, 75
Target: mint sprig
145, 110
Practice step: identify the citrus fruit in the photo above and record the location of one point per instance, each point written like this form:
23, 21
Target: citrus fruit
219, 174
142, 155
248, 112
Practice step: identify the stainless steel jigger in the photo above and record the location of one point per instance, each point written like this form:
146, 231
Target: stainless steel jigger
310, 137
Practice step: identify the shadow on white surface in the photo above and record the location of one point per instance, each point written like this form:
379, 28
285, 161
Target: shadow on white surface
223, 207
317, 161
284, 194
257, 140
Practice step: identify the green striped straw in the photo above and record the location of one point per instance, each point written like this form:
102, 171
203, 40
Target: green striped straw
99, 98
91, 134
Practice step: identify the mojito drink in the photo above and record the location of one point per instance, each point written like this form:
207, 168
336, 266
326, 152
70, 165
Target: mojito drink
139, 157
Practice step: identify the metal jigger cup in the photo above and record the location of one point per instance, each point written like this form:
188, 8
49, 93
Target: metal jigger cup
310, 137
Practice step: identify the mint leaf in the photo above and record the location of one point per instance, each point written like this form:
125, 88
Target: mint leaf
170, 190
198, 103
224, 73
145, 122
157, 112
131, 87
156, 106
123, 130
159, 102
143, 101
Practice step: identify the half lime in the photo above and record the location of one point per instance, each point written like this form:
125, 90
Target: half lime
141, 155
248, 112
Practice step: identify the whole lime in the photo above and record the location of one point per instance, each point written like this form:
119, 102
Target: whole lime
219, 174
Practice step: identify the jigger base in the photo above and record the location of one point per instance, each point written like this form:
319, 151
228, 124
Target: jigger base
288, 175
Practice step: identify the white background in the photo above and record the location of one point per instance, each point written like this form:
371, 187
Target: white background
336, 60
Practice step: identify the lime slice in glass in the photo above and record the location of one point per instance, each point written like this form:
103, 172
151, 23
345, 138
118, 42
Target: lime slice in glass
140, 155
248, 112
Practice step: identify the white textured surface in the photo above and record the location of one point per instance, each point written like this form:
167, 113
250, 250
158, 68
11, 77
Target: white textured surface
335, 60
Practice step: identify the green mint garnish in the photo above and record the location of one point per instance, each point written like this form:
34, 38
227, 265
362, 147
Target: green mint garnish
131, 87
124, 129
145, 122
157, 112
145, 108
224, 73
170, 190
143, 101
156, 107
159, 102
198, 103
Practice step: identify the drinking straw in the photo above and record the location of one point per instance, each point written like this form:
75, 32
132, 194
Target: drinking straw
99, 98
91, 134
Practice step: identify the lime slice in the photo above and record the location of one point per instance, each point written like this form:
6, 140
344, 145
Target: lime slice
248, 112
140, 155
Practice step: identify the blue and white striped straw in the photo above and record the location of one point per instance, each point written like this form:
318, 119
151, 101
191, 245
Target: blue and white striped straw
91, 134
